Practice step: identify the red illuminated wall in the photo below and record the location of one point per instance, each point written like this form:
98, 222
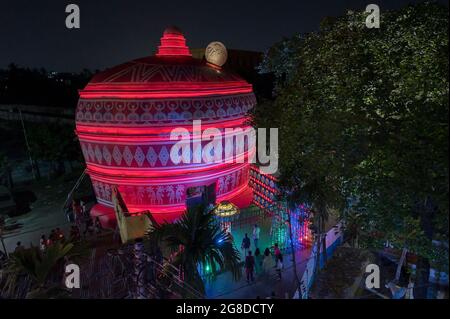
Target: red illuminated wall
124, 118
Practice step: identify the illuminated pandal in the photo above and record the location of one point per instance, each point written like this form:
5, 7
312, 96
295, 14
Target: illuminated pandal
124, 118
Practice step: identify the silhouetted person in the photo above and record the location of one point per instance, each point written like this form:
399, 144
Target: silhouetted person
19, 247
258, 261
59, 234
52, 237
249, 266
77, 213
88, 226
98, 225
268, 262
277, 252
256, 231
74, 233
279, 265
245, 244
43, 243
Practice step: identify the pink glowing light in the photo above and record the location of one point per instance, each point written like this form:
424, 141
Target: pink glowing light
124, 119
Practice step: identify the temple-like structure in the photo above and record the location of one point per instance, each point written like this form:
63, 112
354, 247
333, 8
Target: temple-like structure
125, 116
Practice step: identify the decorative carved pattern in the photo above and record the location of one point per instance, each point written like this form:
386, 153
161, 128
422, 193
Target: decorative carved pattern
231, 181
179, 111
150, 69
155, 155
165, 194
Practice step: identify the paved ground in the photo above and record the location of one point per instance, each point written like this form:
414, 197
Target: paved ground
44, 214
225, 287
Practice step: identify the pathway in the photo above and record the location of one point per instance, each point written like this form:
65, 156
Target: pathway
224, 286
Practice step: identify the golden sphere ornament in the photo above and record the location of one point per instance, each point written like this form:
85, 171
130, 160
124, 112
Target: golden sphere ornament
216, 53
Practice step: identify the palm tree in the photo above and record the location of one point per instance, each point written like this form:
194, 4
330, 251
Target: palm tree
38, 266
194, 241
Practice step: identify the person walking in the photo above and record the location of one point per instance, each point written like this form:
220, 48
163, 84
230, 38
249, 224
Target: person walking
258, 261
256, 231
19, 247
68, 210
249, 266
52, 237
276, 252
59, 234
74, 233
410, 288
43, 243
267, 263
98, 225
78, 213
84, 210
88, 226
245, 244
279, 265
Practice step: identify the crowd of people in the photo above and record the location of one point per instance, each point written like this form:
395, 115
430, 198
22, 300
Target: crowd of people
82, 219
82, 224
260, 264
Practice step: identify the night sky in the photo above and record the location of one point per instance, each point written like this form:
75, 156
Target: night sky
33, 33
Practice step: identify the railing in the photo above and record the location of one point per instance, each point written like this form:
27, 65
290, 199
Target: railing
74, 188
114, 277
333, 238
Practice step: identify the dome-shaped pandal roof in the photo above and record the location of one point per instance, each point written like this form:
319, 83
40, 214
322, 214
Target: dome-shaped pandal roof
169, 87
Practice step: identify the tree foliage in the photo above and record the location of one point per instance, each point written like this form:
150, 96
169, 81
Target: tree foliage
19, 85
363, 120
40, 266
53, 142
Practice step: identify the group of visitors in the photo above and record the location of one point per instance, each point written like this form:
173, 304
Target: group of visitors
260, 264
44, 242
54, 236
82, 217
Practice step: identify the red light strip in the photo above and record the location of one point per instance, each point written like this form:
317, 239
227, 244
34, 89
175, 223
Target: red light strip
173, 44
150, 129
117, 177
271, 201
163, 90
180, 169
273, 190
258, 171
166, 209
